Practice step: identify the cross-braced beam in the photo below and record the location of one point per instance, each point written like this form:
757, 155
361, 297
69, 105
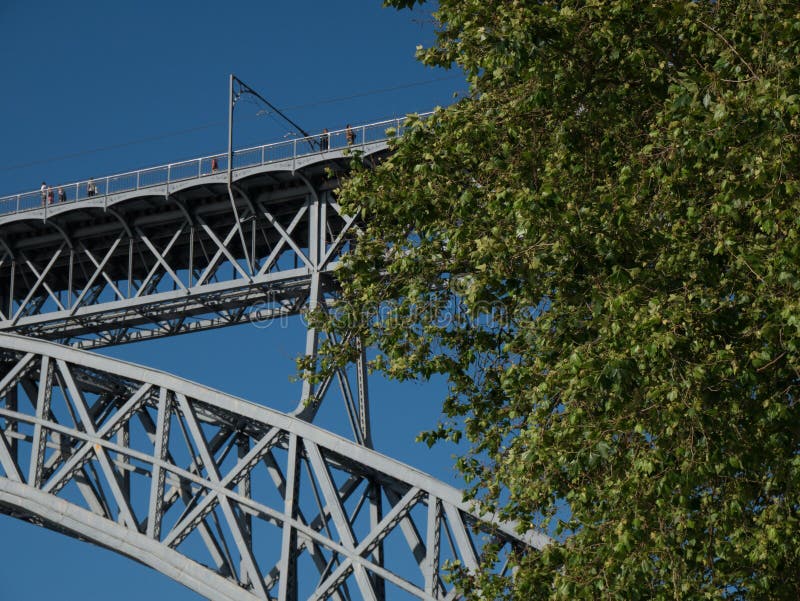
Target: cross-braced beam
232, 499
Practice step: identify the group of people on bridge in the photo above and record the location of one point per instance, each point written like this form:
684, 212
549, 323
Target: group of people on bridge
49, 197
325, 138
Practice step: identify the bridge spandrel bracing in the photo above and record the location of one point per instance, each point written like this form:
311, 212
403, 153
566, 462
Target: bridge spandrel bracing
143, 265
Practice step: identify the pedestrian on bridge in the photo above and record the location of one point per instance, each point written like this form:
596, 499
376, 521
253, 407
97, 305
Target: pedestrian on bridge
349, 135
324, 139
62, 196
91, 189
43, 189
49, 196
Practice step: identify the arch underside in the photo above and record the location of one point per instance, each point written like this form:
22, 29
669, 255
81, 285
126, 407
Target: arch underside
231, 499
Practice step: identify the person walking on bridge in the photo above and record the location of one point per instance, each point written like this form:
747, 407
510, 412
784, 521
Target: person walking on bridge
43, 190
349, 135
62, 196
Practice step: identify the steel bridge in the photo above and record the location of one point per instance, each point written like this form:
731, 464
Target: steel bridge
233, 500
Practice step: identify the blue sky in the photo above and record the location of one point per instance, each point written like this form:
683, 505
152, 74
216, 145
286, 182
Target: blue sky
94, 88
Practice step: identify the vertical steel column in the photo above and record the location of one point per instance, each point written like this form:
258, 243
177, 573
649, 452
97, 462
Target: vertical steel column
314, 233
11, 288
287, 584
12, 401
375, 516
191, 254
123, 462
158, 476
242, 448
433, 540
130, 267
69, 276
42, 414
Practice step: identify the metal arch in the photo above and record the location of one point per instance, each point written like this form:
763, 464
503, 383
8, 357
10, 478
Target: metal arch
204, 487
61, 231
65, 517
125, 225
4, 245
246, 198
181, 207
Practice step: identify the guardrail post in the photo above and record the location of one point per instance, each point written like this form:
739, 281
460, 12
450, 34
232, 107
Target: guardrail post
18, 197
294, 153
169, 172
263, 153
138, 173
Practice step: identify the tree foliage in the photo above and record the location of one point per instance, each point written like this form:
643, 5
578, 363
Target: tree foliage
599, 248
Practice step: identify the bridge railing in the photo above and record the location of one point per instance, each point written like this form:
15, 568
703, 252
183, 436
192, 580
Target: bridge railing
141, 179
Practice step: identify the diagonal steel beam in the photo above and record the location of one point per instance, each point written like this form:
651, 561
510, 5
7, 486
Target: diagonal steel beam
212, 263
42, 411
49, 290
338, 515
95, 275
253, 456
123, 503
36, 285
270, 260
234, 523
7, 460
224, 249
378, 533
80, 456
285, 235
101, 268
16, 373
159, 260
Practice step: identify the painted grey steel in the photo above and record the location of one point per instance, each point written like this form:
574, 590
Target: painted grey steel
231, 499
182, 247
134, 266
204, 252
234, 500
293, 153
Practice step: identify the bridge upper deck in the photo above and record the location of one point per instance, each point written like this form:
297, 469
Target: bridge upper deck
287, 155
170, 249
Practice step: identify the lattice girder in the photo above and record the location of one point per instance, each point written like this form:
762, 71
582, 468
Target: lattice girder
230, 498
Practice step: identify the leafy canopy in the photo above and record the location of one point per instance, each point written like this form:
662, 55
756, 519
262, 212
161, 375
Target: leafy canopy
599, 248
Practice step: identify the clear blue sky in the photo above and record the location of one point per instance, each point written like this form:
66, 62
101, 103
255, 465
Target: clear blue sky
93, 88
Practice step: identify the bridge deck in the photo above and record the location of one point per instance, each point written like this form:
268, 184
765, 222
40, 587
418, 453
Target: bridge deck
162, 179
147, 257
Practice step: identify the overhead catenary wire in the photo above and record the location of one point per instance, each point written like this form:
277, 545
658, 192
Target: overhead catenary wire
213, 124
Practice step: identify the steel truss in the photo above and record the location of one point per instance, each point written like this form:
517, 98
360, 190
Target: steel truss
231, 499
176, 258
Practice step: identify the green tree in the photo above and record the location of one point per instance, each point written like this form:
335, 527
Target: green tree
599, 248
